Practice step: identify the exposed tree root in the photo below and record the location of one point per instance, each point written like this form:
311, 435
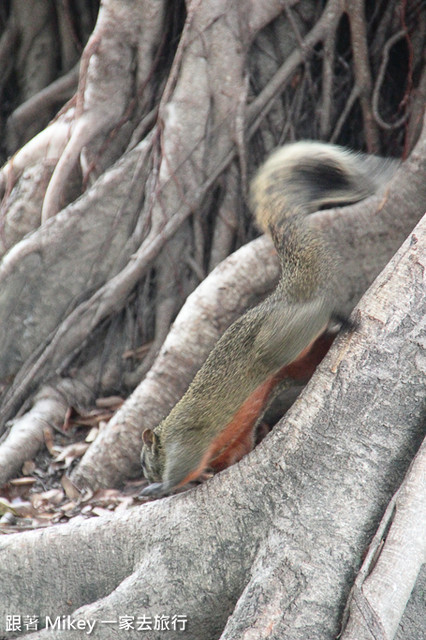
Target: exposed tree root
393, 562
177, 104
26, 434
54, 95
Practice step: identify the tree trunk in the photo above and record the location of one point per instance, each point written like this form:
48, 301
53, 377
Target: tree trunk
119, 210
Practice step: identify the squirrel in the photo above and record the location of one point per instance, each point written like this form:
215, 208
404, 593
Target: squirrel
212, 425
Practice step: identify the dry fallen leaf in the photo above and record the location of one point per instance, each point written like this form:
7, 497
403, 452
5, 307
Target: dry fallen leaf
28, 467
7, 519
47, 499
72, 451
68, 506
19, 482
67, 419
49, 440
6, 506
92, 435
23, 509
109, 402
70, 489
100, 512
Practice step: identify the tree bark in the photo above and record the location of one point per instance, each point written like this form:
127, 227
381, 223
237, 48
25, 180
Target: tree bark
389, 574
113, 214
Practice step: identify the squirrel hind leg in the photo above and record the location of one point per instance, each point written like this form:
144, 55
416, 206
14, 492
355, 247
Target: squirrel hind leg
341, 322
285, 335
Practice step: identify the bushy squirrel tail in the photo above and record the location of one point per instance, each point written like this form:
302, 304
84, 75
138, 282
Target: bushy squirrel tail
303, 177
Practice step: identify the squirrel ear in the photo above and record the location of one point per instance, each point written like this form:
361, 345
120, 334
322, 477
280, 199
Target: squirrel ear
148, 437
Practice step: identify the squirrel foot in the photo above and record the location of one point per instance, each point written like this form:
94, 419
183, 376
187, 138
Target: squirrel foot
155, 490
343, 322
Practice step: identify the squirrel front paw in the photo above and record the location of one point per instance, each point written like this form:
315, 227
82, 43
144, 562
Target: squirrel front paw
155, 490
